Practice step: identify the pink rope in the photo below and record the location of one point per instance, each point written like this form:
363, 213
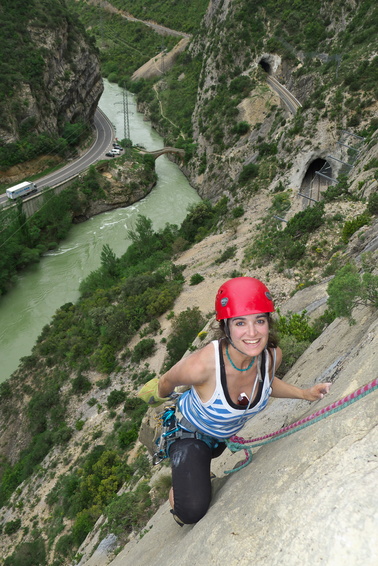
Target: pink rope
345, 400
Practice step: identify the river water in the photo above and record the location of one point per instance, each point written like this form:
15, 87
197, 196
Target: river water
55, 280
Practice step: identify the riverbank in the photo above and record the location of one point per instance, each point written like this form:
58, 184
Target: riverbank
41, 289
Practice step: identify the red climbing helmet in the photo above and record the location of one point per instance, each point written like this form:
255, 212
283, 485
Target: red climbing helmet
241, 296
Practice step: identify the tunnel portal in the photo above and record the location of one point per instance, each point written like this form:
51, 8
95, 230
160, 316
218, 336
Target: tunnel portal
317, 179
265, 65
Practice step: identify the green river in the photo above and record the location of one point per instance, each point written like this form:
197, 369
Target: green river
55, 280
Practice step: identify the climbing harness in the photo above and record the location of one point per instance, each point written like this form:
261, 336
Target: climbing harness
236, 443
172, 430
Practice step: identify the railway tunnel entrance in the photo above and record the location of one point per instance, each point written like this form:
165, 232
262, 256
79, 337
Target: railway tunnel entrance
266, 65
316, 180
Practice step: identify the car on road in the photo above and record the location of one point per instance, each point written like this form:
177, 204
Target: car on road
113, 153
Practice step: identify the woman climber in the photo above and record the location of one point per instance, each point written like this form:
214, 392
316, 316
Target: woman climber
230, 381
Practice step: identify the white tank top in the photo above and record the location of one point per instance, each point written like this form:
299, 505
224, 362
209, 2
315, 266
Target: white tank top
217, 417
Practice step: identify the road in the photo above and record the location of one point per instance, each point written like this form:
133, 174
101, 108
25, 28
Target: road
104, 138
155, 26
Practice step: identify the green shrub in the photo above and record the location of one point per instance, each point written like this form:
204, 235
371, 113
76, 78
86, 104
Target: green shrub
143, 349
184, 330
296, 325
81, 384
295, 335
198, 215
306, 221
12, 526
130, 510
238, 211
333, 265
127, 434
64, 546
79, 424
372, 206
266, 148
281, 202
351, 226
162, 487
104, 359
241, 128
115, 398
5, 390
292, 349
84, 523
248, 172
241, 85
28, 554
202, 335
151, 328
196, 279
287, 245
349, 288
227, 254
142, 376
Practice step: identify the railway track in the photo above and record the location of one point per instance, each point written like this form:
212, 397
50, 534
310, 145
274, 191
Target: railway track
291, 103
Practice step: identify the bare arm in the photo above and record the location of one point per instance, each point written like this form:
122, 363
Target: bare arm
286, 390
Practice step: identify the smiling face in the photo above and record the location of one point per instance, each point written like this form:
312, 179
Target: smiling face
249, 333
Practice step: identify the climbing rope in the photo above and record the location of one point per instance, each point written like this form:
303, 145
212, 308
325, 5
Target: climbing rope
236, 443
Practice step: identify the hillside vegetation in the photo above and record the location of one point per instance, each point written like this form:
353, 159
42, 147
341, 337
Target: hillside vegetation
48, 66
71, 464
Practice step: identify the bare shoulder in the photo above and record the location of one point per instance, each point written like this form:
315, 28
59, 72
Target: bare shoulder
195, 369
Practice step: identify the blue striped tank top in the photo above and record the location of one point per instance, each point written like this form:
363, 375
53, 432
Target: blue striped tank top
217, 417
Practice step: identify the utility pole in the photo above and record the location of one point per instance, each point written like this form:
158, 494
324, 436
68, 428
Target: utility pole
126, 123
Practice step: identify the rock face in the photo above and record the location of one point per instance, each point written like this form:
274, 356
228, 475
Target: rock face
71, 86
124, 185
118, 195
307, 499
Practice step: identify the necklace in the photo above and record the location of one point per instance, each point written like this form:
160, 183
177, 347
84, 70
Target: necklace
234, 366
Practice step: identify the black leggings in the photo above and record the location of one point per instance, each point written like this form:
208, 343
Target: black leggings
190, 461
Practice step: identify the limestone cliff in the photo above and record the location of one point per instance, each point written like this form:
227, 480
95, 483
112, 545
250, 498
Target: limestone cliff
241, 55
308, 499
65, 84
123, 183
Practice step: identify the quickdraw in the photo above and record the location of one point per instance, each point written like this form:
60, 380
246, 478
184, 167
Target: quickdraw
169, 428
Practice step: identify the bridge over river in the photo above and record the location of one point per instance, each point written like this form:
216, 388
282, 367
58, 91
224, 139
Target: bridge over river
158, 152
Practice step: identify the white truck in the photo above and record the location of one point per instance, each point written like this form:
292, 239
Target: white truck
21, 190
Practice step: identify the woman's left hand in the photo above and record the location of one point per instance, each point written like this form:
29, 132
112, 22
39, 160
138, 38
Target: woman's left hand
317, 391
